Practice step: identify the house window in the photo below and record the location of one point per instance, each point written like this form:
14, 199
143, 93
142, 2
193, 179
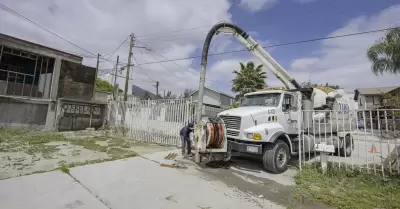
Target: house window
377, 100
369, 99
360, 102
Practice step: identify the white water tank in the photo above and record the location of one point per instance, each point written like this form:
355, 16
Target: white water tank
319, 97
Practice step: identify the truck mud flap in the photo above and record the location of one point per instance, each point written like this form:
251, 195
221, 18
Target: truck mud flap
219, 164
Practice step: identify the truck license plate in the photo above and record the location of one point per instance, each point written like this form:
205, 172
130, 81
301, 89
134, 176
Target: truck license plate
252, 149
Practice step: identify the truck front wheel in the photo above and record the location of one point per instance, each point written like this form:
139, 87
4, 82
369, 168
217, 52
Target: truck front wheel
276, 157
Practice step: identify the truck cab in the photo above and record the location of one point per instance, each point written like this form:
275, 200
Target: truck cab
263, 118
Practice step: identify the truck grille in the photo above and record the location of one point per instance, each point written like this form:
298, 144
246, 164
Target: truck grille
231, 122
232, 133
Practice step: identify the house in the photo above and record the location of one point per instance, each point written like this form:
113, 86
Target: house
371, 98
213, 98
140, 93
45, 88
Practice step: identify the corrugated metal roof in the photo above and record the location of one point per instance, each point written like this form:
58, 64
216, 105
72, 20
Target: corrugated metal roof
378, 90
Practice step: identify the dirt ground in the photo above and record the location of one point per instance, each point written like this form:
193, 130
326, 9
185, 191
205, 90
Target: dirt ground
25, 152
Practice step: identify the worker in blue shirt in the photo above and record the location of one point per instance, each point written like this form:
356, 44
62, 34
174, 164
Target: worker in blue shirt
185, 138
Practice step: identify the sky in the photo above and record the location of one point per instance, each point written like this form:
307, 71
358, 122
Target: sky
172, 29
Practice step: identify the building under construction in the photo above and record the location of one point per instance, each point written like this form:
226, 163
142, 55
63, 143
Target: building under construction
45, 88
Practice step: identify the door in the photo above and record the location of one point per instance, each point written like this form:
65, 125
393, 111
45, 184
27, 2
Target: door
289, 120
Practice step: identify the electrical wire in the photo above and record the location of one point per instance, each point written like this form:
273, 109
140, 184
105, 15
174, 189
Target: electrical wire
2, 6
205, 29
172, 62
115, 50
192, 57
276, 45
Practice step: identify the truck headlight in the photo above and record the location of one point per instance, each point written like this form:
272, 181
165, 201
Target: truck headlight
249, 135
257, 136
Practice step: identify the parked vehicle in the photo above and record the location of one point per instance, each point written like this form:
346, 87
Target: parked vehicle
266, 124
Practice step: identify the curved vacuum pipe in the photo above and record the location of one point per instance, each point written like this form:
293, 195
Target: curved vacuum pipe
206, 46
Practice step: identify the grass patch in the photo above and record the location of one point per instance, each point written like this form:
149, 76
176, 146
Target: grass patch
89, 143
30, 142
64, 169
119, 142
119, 153
35, 142
341, 188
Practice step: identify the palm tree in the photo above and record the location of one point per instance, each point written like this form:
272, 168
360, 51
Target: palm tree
248, 79
385, 53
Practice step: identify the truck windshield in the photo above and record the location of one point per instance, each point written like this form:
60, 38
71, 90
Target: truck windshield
268, 100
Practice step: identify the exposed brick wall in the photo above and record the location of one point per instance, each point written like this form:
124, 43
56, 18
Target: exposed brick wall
76, 81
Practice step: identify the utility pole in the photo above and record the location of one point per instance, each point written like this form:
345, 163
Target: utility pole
131, 44
157, 84
95, 76
164, 94
116, 88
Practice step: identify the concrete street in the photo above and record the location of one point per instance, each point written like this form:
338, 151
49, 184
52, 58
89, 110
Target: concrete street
132, 183
140, 182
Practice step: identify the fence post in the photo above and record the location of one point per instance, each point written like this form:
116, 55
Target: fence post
299, 118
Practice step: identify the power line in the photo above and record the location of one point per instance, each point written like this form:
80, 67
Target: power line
116, 49
165, 67
172, 61
42, 27
276, 45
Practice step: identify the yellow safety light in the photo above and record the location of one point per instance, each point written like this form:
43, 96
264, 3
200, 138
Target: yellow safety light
257, 136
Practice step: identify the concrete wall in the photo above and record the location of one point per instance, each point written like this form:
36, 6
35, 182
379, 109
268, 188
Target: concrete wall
16, 113
102, 96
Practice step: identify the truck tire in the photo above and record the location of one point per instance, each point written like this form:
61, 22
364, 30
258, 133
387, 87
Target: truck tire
347, 149
276, 157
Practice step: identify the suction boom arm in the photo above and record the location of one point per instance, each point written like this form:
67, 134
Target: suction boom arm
253, 47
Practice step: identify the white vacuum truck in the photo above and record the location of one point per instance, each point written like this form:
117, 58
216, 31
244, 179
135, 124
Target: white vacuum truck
267, 122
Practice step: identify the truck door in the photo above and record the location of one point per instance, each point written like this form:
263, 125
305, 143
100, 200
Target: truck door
289, 119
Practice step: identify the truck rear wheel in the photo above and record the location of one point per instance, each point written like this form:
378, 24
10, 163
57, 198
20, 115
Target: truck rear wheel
276, 157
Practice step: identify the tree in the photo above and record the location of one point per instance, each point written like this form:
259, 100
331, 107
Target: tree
385, 53
103, 85
311, 85
250, 78
186, 93
146, 96
390, 100
169, 93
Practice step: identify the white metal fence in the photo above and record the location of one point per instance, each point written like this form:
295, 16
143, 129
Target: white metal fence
372, 135
155, 121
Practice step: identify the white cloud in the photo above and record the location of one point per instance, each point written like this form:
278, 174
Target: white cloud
101, 25
343, 61
257, 5
304, 1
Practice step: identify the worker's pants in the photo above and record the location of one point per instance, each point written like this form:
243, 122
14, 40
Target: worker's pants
186, 143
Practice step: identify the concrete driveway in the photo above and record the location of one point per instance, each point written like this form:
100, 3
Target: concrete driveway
132, 183
141, 182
